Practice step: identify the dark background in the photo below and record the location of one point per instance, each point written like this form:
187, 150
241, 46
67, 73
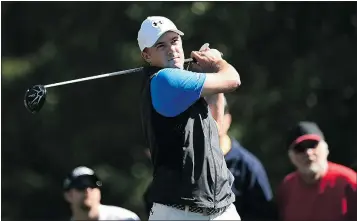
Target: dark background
298, 61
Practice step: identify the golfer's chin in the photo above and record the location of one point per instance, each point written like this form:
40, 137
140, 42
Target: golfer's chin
175, 63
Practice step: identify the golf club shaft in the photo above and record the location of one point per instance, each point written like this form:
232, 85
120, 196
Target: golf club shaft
102, 76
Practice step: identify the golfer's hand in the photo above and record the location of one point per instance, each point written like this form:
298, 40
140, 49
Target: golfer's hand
207, 59
196, 68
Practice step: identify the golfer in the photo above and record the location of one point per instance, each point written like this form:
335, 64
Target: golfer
190, 178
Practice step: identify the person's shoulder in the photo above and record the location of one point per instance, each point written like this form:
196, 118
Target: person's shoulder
246, 156
168, 73
290, 178
341, 171
286, 184
166, 77
173, 74
119, 213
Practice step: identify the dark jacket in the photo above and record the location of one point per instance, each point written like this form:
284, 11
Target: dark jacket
188, 164
254, 198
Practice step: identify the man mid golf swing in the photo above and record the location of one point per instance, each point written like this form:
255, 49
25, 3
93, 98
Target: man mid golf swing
191, 179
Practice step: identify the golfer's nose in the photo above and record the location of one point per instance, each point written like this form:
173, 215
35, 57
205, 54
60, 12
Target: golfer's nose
171, 48
170, 53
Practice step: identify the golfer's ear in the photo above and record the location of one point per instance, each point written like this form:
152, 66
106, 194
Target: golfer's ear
146, 55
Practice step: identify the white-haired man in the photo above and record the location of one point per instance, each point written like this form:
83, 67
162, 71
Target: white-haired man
318, 190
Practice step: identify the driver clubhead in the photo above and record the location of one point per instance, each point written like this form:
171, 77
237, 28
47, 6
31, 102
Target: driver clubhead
35, 98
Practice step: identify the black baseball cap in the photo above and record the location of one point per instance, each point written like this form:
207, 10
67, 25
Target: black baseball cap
304, 132
81, 178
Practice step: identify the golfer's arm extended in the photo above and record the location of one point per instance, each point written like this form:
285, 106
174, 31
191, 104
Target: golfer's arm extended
225, 80
216, 104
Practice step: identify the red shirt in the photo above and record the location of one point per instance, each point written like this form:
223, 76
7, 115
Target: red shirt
332, 198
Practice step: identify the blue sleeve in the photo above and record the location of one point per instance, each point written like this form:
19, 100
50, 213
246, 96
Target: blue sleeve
260, 182
258, 203
175, 90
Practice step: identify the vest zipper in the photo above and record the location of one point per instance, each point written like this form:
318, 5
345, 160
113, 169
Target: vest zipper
215, 169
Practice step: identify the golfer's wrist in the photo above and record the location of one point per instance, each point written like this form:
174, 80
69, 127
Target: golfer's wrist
221, 65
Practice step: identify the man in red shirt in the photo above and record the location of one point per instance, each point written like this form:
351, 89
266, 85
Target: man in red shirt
318, 190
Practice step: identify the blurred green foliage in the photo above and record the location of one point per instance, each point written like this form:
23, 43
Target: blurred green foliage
297, 62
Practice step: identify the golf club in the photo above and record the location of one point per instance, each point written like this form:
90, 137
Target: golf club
35, 96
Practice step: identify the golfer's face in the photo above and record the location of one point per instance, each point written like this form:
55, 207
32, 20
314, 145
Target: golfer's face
168, 51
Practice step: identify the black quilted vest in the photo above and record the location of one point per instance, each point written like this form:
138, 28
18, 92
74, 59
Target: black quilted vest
189, 167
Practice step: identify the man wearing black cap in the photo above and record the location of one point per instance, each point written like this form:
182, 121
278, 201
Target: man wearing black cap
82, 192
319, 190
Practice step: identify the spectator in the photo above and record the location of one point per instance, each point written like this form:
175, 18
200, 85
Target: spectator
251, 185
319, 190
82, 192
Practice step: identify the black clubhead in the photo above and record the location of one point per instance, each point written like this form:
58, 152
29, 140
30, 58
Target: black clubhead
34, 98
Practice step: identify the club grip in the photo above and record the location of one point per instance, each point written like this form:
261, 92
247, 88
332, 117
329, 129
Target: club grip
190, 60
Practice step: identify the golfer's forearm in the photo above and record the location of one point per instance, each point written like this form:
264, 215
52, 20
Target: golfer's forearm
225, 79
228, 72
216, 103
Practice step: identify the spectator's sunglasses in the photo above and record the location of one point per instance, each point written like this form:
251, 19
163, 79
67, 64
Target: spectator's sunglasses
305, 145
83, 182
